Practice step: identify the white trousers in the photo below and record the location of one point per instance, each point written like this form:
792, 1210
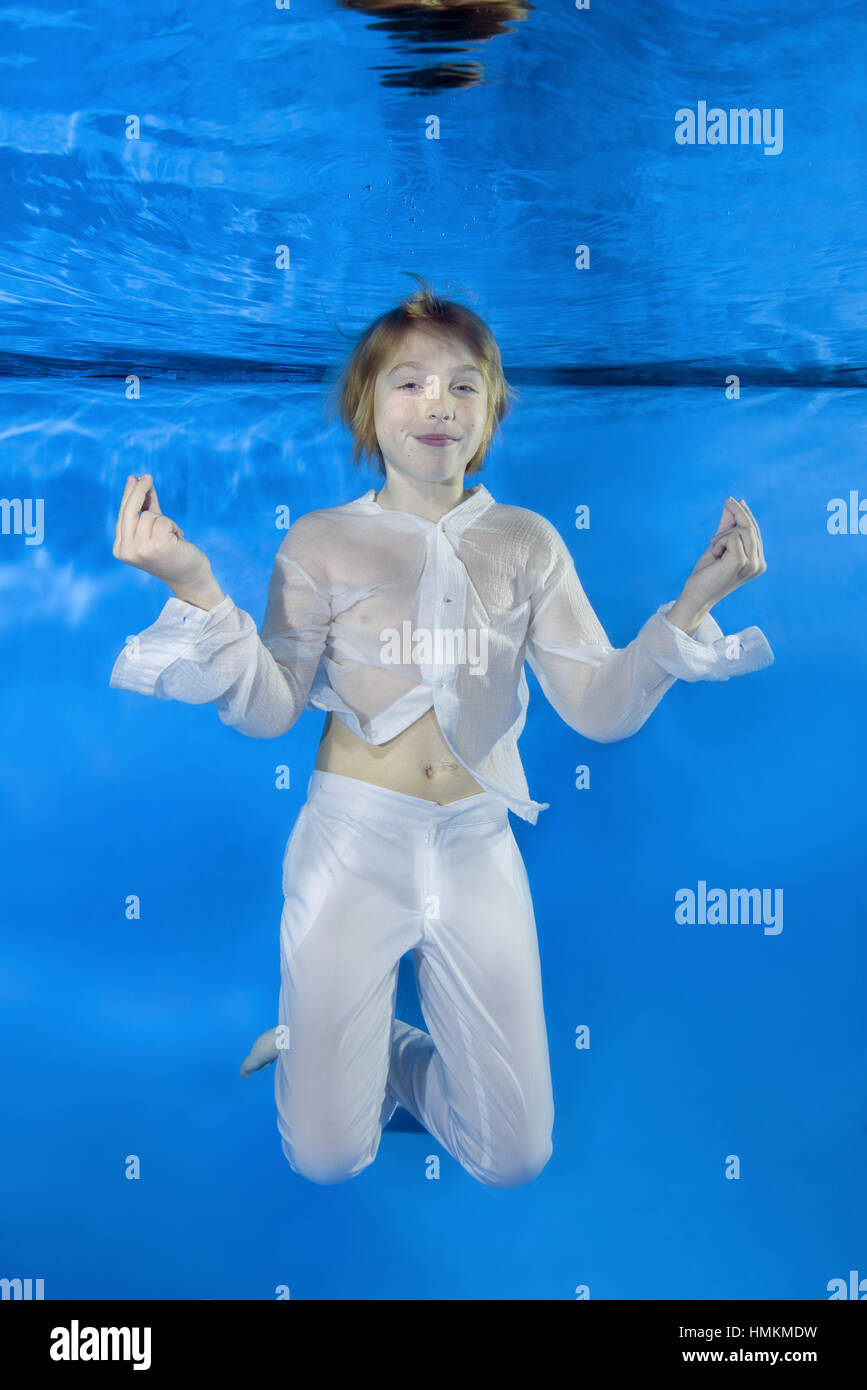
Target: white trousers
369, 874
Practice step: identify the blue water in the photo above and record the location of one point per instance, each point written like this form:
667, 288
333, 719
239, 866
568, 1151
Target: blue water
156, 258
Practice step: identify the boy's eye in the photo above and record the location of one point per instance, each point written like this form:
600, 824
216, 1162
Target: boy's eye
411, 385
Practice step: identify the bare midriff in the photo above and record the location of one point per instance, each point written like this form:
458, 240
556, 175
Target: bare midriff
417, 762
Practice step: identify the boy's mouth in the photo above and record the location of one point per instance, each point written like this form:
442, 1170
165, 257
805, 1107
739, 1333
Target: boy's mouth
436, 439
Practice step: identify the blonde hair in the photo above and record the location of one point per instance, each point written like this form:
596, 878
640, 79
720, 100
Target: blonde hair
352, 395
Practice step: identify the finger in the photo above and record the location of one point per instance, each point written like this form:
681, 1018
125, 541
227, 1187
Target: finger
145, 529
749, 536
727, 518
731, 541
750, 544
743, 520
130, 484
760, 550
721, 535
740, 543
151, 500
131, 509
163, 528
745, 508
156, 526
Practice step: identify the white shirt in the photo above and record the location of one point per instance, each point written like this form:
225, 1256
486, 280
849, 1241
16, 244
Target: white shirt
379, 615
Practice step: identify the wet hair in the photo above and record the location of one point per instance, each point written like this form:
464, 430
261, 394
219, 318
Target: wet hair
352, 394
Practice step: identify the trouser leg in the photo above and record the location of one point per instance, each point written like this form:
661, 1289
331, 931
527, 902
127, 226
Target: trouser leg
341, 939
480, 1080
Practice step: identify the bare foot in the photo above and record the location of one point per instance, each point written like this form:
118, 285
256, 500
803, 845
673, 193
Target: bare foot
262, 1053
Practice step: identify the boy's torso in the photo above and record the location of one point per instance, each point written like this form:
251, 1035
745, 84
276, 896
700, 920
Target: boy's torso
417, 762
378, 569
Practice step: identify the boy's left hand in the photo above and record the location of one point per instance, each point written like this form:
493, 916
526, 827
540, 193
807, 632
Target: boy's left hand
733, 557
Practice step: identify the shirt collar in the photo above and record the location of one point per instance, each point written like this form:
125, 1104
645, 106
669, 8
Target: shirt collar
454, 520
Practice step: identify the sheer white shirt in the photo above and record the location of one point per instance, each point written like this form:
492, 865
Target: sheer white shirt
379, 615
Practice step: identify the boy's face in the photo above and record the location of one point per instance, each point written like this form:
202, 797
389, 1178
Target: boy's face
430, 405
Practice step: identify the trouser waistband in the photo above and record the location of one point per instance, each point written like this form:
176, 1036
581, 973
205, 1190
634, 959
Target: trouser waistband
381, 803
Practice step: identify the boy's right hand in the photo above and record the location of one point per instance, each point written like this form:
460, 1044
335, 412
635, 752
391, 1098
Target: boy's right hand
153, 542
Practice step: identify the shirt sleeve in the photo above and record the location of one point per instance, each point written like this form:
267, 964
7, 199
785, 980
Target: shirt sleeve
258, 681
607, 693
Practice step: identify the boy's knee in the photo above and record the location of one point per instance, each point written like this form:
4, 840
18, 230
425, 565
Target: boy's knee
323, 1165
522, 1170
516, 1167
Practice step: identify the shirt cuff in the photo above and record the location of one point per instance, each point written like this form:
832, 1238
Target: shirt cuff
708, 655
148, 653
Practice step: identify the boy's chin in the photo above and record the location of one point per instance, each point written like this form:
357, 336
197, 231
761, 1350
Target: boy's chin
431, 471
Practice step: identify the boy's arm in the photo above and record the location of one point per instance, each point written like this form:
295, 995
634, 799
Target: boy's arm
607, 693
259, 683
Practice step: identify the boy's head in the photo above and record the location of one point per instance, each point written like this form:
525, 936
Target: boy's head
428, 368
